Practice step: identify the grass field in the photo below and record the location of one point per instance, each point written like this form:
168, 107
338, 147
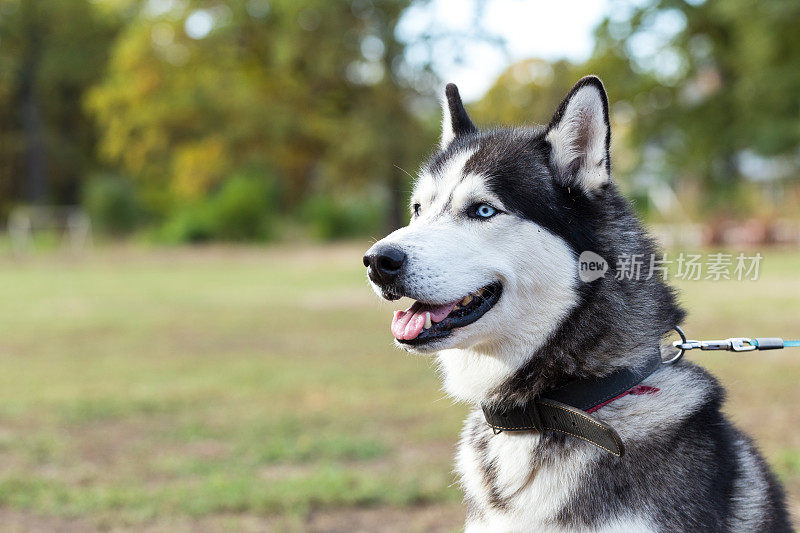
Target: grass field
257, 389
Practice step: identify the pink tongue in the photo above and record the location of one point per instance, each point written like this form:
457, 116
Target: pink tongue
407, 325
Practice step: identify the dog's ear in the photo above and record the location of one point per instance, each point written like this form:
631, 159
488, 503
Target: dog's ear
455, 120
579, 134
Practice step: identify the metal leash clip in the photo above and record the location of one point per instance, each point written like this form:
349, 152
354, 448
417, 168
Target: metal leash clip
734, 344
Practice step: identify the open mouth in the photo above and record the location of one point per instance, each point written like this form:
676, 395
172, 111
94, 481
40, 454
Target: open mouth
423, 322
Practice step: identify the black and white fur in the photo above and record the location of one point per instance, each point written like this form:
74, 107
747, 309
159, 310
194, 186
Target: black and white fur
686, 468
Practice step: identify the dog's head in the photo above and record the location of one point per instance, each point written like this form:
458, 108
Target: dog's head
498, 219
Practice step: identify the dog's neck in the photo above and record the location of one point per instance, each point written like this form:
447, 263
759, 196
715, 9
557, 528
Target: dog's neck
515, 371
470, 376
478, 377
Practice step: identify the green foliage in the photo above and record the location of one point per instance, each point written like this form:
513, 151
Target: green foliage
243, 209
130, 87
329, 217
112, 204
182, 113
705, 82
695, 89
326, 96
189, 224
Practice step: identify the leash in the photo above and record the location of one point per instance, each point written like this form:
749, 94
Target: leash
734, 344
567, 409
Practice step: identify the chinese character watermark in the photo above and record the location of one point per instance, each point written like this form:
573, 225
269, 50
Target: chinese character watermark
716, 266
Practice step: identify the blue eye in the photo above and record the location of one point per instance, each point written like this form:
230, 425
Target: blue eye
482, 211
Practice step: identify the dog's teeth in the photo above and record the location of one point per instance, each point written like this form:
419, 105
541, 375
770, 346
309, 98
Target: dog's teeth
467, 299
428, 322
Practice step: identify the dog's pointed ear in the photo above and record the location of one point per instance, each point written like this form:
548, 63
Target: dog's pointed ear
579, 135
455, 120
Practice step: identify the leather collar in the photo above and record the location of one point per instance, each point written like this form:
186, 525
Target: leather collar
564, 409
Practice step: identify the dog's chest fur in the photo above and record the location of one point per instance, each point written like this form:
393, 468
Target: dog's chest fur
512, 479
503, 474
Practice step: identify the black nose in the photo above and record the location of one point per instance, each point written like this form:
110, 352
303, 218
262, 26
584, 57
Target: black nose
384, 264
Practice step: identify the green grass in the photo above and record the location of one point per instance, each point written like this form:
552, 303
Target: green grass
219, 386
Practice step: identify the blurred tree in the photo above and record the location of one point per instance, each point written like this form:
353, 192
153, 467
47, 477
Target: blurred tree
305, 90
51, 51
706, 83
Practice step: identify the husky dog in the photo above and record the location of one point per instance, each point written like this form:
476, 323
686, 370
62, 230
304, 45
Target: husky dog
499, 219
